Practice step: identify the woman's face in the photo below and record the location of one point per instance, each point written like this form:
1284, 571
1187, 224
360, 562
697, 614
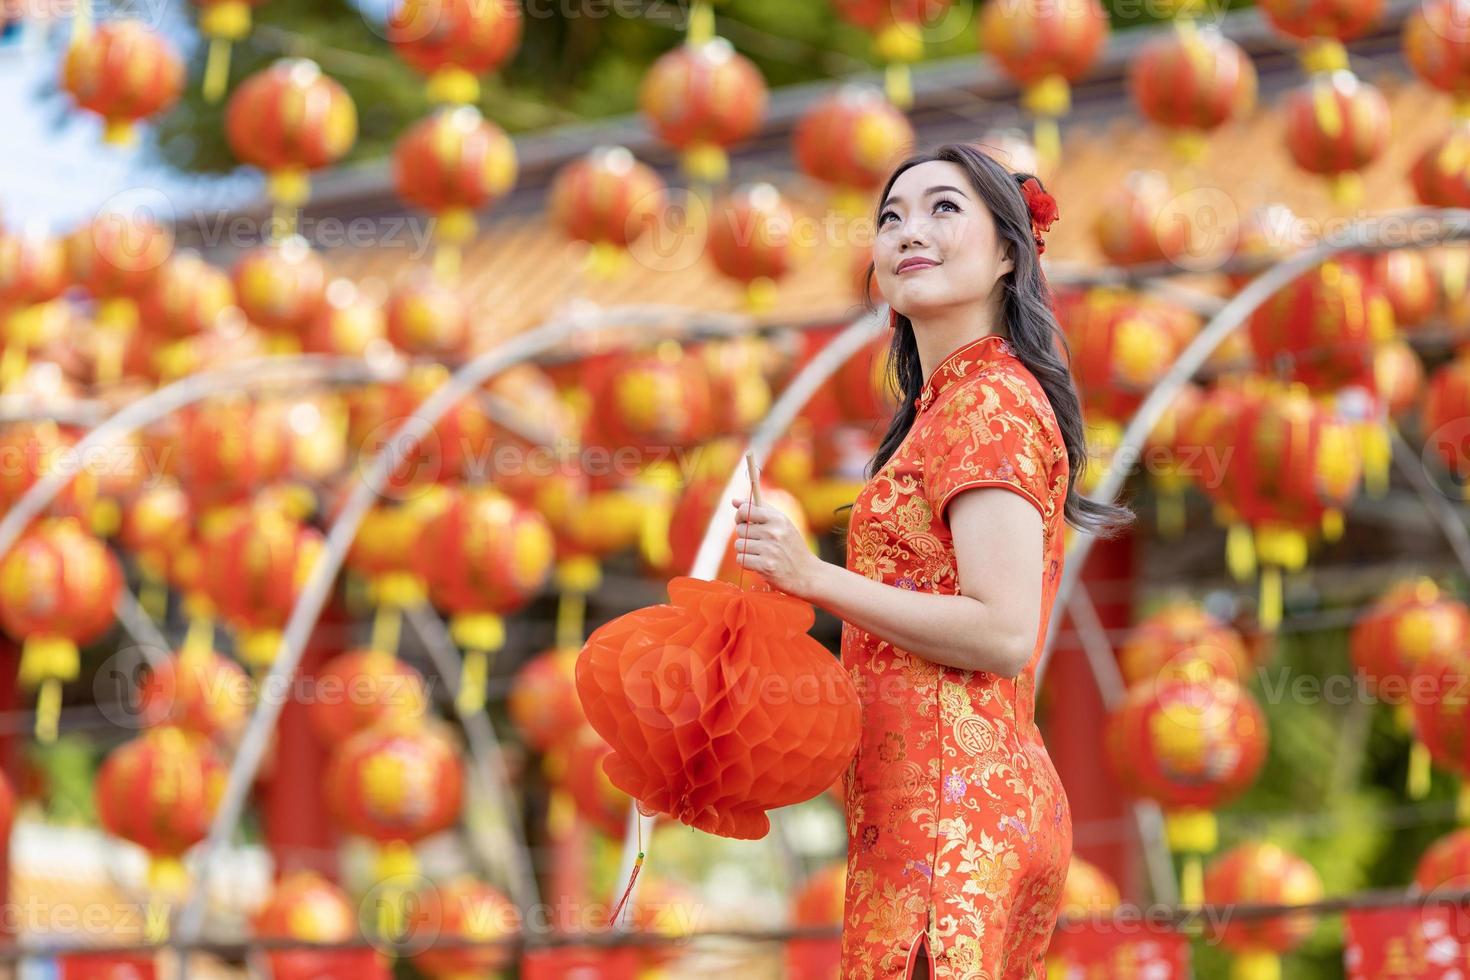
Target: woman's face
937, 247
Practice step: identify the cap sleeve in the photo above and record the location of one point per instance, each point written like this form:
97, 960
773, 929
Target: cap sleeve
988, 434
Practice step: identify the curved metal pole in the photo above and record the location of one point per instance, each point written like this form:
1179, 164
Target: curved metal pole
167, 400
1439, 507
489, 770
807, 382
1363, 236
318, 586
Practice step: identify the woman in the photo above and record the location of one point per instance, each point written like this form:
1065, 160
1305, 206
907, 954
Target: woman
958, 829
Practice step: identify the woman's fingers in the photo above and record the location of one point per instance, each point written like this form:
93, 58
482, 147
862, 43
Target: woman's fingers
757, 514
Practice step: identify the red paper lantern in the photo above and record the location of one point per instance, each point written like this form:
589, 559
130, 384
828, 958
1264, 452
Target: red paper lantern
1437, 46
1323, 20
452, 164
290, 119
228, 449
281, 287
118, 256
819, 902
189, 296
1398, 375
897, 27
305, 906
1446, 865
1441, 711
1325, 326
850, 142
1441, 173
395, 782
1336, 125
123, 72
483, 553
1120, 346
543, 701
33, 450
1184, 642
598, 801
427, 318
1260, 873
1087, 890
254, 564
1192, 81
349, 323
360, 688
1412, 624
470, 911
160, 790
651, 402
752, 240
455, 41
58, 586
608, 199
1131, 227
702, 99
1044, 46
1446, 408
32, 268
198, 691
660, 684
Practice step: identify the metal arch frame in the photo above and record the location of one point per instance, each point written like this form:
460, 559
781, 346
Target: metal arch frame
1449, 224
800, 390
313, 596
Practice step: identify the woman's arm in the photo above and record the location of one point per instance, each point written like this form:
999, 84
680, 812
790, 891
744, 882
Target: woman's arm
991, 625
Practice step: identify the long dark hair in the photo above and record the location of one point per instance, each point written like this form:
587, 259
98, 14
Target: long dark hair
1030, 325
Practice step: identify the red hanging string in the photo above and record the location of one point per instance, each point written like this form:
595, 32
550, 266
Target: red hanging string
637, 866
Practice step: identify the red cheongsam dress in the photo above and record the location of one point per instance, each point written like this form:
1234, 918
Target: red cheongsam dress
959, 832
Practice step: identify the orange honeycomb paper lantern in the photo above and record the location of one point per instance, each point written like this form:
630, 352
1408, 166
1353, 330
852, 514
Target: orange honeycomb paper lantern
897, 28
675, 690
289, 119
1262, 873
454, 42
160, 791
850, 141
360, 688
452, 164
281, 288
703, 98
1043, 47
1189, 746
123, 72
58, 585
753, 240
471, 911
609, 200
1336, 125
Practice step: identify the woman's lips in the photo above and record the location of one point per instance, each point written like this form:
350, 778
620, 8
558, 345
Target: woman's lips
909, 265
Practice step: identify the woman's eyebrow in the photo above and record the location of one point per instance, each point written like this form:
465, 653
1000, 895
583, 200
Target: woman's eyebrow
931, 192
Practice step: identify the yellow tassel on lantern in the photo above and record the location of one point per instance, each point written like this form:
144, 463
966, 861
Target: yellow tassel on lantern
898, 84
1240, 552
1191, 830
224, 24
701, 23
453, 86
396, 870
1332, 524
1417, 784
1188, 145
1346, 188
706, 163
761, 295
1377, 454
604, 261
289, 186
1271, 602
258, 648
387, 625
1256, 964
478, 635
46, 663
119, 132
1323, 55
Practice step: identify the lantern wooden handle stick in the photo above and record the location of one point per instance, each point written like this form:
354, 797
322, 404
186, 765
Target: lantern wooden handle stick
755, 499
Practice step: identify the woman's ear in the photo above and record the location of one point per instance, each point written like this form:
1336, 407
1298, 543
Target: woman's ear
1008, 261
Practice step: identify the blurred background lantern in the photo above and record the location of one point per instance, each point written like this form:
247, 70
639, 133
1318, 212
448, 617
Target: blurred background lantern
1336, 125
608, 200
288, 120
123, 72
897, 28
454, 42
1264, 874
702, 99
1190, 81
473, 912
281, 288
361, 688
223, 22
753, 240
849, 142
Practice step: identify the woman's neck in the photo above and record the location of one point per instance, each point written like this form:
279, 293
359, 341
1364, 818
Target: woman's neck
940, 335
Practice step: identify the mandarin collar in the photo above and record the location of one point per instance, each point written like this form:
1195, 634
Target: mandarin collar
961, 363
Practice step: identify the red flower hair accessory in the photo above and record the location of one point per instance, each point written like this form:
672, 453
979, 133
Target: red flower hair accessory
1043, 208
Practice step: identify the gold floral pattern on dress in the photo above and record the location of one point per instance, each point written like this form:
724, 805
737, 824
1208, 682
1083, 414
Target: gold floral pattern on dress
958, 828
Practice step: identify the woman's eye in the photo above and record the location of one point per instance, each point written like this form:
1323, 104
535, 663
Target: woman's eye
883, 218
949, 204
